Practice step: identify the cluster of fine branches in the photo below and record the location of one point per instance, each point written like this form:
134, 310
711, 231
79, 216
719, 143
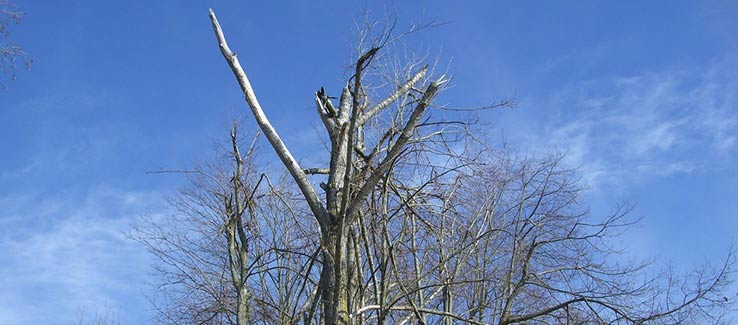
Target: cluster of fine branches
11, 55
414, 221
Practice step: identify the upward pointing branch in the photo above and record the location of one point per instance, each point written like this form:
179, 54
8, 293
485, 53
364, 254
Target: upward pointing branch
395, 149
307, 189
391, 98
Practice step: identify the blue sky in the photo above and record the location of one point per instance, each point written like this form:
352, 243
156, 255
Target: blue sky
642, 96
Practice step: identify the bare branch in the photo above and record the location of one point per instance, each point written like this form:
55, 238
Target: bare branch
391, 98
284, 154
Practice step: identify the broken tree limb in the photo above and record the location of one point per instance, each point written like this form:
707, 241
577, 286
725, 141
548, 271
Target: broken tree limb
391, 98
307, 189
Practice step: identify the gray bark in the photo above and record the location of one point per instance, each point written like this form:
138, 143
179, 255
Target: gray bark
345, 191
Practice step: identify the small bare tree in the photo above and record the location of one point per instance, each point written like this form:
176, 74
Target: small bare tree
235, 250
85, 317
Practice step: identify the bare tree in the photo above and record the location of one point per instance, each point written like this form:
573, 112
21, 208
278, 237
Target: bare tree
523, 250
219, 262
417, 222
353, 173
11, 55
85, 317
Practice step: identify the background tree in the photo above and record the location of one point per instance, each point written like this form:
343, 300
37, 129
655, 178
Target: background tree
86, 317
228, 251
11, 55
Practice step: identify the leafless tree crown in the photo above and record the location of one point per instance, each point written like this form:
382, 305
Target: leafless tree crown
414, 221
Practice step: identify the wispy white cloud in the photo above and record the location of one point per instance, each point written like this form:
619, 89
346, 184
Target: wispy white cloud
625, 129
59, 133
70, 252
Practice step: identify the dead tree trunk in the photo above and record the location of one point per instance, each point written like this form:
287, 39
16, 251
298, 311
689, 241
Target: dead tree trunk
350, 181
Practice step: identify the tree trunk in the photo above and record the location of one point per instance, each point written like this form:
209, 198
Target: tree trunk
243, 316
333, 279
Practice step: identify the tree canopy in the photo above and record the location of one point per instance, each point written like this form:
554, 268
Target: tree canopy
416, 220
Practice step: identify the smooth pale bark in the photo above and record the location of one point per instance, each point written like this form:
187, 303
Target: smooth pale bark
279, 147
392, 98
